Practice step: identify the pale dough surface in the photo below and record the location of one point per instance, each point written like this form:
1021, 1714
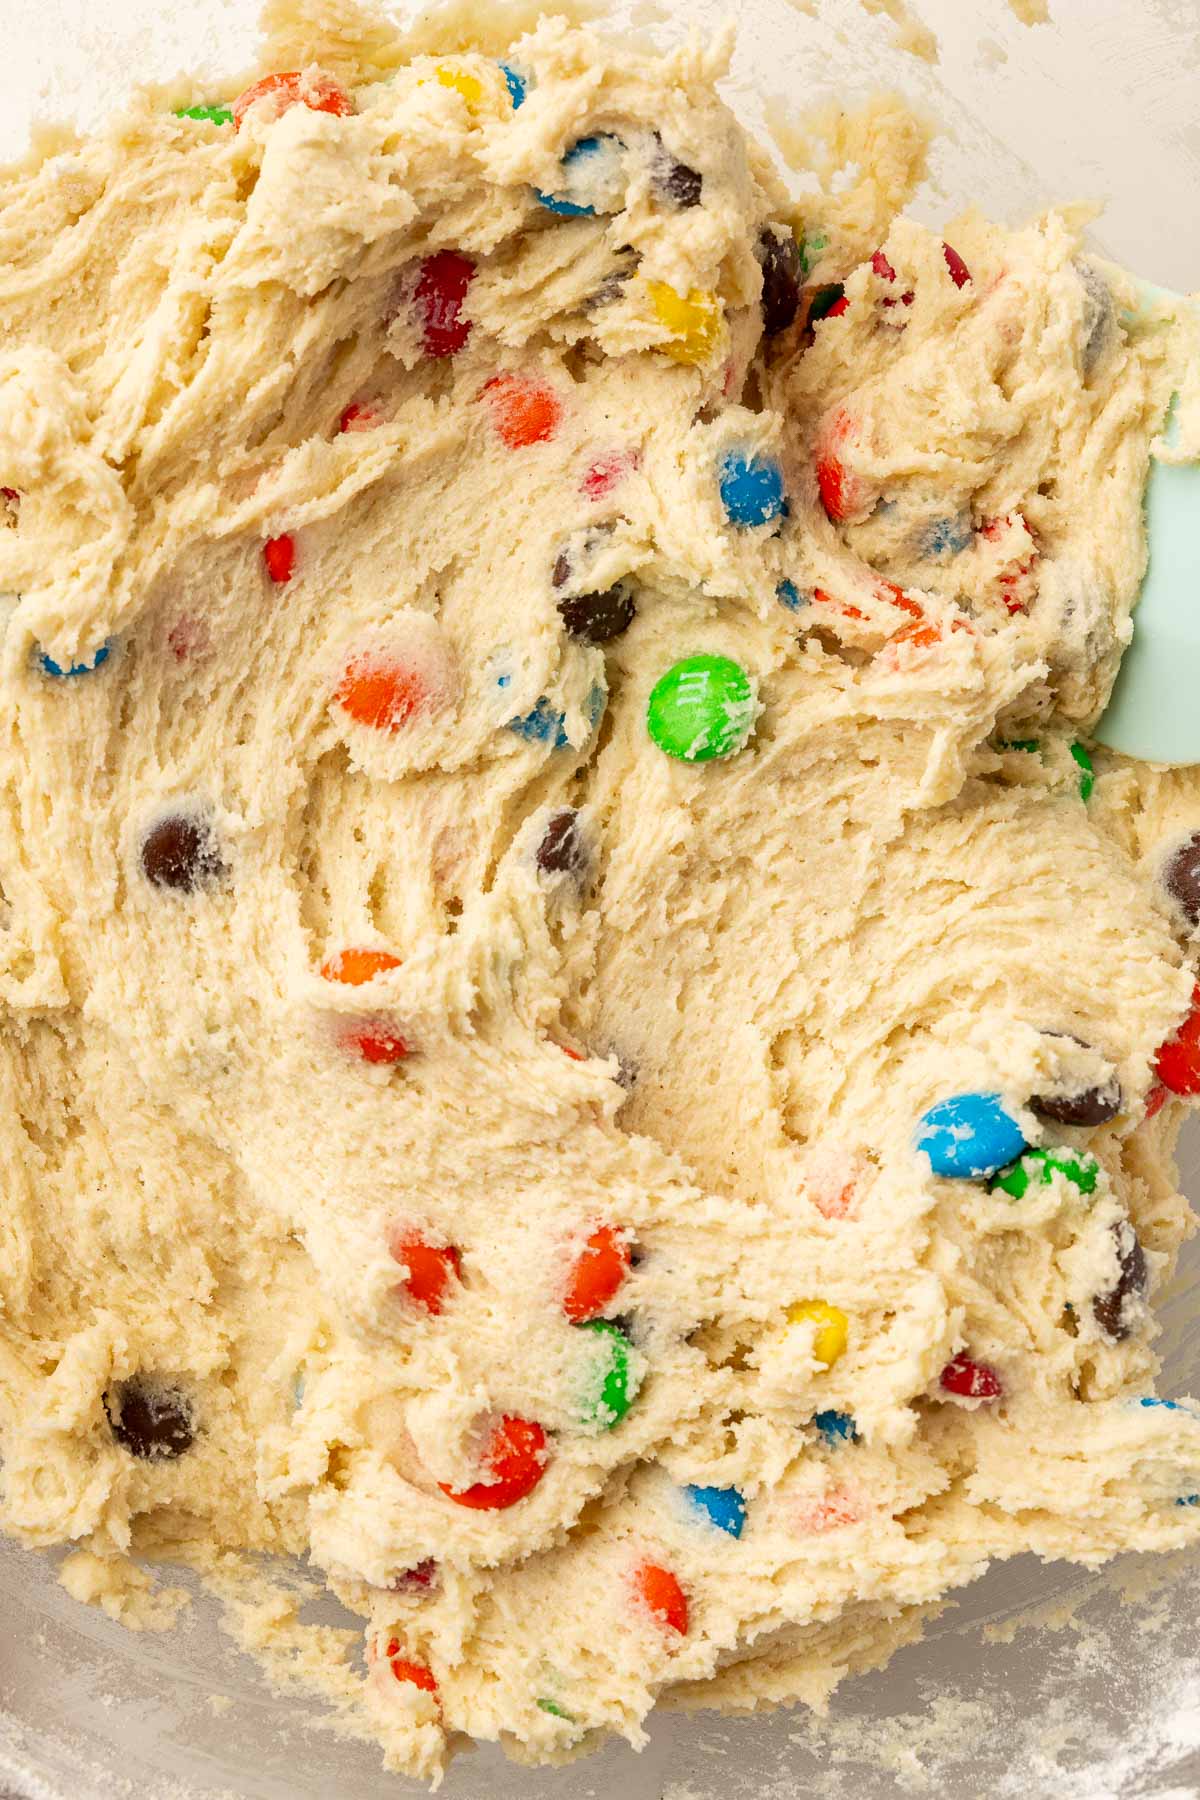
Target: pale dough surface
774, 965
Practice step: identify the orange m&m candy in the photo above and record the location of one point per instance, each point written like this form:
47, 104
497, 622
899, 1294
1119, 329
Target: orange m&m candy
596, 1274
660, 1593
524, 409
379, 690
321, 93
431, 1267
356, 966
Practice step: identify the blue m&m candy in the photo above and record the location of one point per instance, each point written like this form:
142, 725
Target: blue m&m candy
543, 725
723, 1507
970, 1136
591, 179
947, 537
836, 1427
48, 666
751, 488
517, 85
789, 595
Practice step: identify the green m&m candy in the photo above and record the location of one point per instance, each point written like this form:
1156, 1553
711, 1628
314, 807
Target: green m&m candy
215, 115
613, 1380
703, 707
1087, 774
557, 1711
1038, 1168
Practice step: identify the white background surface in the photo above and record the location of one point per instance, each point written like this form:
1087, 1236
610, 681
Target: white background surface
1101, 105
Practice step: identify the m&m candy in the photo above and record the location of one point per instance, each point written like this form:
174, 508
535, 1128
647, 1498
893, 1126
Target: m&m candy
658, 1590
724, 1507
1116, 1309
970, 1380
180, 852
1178, 1062
516, 84
524, 409
751, 487
1181, 877
1084, 1106
828, 302
598, 618
279, 555
596, 1274
1037, 1168
212, 115
782, 276
515, 1458
275, 94
959, 272
693, 319
440, 296
379, 689
836, 1427
375, 1041
430, 1269
969, 1136
63, 671
703, 707
831, 1328
592, 178
614, 1380
354, 967
543, 724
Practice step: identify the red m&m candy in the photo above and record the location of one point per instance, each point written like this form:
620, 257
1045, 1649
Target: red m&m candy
279, 554
959, 272
971, 1380
515, 1458
405, 1670
843, 495
375, 1041
441, 290
358, 416
1178, 1062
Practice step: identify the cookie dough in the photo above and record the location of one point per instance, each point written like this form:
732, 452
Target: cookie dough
586, 1044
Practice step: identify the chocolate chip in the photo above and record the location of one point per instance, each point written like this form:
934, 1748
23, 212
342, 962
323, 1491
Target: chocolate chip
598, 618
151, 1422
562, 570
1112, 1308
1181, 878
1094, 1106
1087, 1106
181, 853
562, 850
782, 273
679, 183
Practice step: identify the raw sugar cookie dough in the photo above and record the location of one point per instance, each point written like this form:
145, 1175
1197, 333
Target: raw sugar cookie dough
587, 1044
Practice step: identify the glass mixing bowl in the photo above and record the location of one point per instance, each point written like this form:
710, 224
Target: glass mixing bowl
1039, 1680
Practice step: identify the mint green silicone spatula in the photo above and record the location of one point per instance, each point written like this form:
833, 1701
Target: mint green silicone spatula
1154, 711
